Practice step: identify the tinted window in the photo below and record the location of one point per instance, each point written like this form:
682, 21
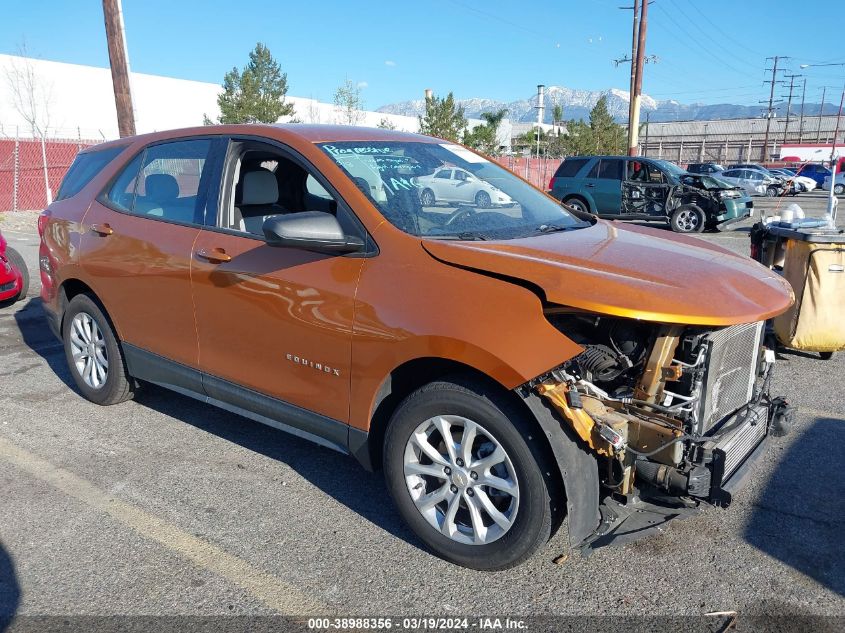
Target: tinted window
731, 173
85, 166
164, 182
444, 175
594, 170
610, 169
460, 175
570, 167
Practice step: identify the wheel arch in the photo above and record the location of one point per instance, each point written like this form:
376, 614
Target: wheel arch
576, 476
583, 198
73, 286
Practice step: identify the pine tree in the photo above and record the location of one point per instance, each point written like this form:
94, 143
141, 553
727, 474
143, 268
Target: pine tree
443, 118
255, 94
606, 133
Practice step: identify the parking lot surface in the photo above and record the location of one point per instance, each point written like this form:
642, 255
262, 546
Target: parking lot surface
163, 505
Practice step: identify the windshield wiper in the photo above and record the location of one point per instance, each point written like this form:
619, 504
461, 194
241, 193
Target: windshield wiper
466, 236
554, 228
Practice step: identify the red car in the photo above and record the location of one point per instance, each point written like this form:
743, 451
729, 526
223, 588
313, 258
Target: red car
14, 276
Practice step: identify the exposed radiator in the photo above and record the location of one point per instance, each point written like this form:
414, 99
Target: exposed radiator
731, 371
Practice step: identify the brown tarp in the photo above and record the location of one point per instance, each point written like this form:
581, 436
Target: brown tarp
816, 322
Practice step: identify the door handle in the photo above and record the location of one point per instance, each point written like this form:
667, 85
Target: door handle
102, 229
214, 255
590, 184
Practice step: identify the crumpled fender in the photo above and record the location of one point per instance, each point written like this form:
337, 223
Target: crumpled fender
578, 468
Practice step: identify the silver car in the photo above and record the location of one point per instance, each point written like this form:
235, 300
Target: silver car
452, 185
755, 182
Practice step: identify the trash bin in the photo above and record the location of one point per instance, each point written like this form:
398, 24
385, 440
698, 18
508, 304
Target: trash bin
813, 262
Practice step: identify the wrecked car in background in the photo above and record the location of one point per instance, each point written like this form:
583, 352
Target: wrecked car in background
619, 187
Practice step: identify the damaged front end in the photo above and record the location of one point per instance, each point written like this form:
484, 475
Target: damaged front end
674, 415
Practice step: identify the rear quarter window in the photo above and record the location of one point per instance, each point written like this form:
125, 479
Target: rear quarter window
570, 167
84, 168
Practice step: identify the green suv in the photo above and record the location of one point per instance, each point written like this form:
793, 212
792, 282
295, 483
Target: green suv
636, 188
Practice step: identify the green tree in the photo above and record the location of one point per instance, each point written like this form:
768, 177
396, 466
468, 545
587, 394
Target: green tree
386, 124
606, 133
557, 114
348, 103
484, 137
443, 118
255, 94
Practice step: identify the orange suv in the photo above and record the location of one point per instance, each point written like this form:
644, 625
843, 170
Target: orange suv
505, 365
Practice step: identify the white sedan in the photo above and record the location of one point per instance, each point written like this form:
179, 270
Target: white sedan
839, 185
452, 185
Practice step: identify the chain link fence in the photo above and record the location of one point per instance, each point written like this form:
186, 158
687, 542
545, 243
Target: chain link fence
31, 170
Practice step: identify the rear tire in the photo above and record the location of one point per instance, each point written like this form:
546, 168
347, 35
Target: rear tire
838, 189
688, 218
17, 261
577, 204
93, 353
513, 453
427, 198
826, 355
771, 192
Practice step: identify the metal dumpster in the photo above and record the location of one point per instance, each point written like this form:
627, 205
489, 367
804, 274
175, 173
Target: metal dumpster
813, 261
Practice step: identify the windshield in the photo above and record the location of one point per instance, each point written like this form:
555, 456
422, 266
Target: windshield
670, 168
445, 191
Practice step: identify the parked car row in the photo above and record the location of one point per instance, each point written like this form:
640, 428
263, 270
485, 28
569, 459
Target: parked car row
774, 182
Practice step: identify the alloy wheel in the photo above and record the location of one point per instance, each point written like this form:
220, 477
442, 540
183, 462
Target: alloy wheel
688, 220
461, 480
88, 350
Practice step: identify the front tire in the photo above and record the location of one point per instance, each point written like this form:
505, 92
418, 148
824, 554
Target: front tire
688, 218
93, 354
467, 475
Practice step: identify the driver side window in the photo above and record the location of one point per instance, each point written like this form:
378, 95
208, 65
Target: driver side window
267, 182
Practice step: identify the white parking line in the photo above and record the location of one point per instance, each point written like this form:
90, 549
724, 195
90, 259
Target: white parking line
272, 591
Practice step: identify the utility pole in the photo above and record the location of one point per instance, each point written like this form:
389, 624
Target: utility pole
633, 83
801, 116
789, 103
634, 121
821, 114
119, 61
771, 81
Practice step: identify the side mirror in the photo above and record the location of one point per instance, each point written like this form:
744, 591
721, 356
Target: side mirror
311, 231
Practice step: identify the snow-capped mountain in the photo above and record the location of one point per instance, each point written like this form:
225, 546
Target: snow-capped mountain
578, 103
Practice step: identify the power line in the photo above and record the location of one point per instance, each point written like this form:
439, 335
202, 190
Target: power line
722, 30
771, 82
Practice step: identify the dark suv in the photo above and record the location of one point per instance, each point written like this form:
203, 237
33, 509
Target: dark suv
636, 188
705, 168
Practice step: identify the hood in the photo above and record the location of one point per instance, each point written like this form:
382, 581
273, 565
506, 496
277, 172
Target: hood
631, 271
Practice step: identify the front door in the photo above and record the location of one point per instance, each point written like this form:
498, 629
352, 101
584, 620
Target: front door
138, 240
645, 191
274, 324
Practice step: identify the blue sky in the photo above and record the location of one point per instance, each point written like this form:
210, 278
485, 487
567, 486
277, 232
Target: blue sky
709, 51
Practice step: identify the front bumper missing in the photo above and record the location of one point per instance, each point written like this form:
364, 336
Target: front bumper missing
734, 454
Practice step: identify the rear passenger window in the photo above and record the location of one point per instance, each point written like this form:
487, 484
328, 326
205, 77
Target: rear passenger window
570, 167
85, 166
164, 182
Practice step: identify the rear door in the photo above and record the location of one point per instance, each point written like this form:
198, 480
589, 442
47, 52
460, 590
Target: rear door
566, 181
138, 239
604, 184
443, 185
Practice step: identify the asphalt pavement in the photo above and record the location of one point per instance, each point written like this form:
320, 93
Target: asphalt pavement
163, 505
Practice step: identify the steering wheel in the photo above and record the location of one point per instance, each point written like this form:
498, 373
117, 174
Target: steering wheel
459, 214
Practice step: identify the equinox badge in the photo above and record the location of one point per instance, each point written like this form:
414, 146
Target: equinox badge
310, 363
